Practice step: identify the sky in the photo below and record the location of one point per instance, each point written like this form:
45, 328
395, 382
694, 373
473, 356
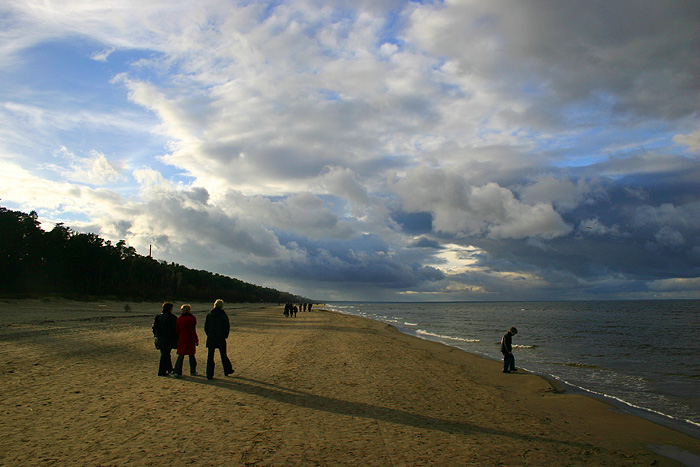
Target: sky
378, 150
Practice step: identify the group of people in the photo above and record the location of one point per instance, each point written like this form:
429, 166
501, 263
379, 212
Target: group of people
180, 333
291, 310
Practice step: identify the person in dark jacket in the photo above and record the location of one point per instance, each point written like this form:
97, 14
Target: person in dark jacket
217, 327
507, 351
165, 332
187, 340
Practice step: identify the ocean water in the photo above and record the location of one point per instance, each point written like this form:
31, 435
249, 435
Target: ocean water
643, 356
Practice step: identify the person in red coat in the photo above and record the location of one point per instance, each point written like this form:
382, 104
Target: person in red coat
187, 340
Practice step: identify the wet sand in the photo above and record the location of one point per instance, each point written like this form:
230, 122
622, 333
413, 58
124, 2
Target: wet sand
79, 387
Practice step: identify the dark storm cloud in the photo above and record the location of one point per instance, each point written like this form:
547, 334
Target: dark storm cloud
364, 260
618, 235
414, 223
423, 242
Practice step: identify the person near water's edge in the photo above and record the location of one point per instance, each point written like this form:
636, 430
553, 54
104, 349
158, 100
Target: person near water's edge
507, 351
217, 327
165, 333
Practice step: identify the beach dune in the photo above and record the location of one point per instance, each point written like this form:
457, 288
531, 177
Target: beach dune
79, 387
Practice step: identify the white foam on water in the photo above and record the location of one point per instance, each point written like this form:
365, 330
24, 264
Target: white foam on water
423, 332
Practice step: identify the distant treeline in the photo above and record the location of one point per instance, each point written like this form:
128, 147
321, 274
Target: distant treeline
66, 263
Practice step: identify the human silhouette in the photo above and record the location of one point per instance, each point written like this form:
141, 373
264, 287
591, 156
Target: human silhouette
507, 351
165, 333
217, 327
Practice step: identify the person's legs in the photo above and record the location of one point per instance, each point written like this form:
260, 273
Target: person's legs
166, 364
506, 362
228, 368
193, 365
170, 362
178, 365
512, 362
210, 362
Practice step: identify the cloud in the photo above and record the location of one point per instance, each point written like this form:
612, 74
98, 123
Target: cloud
690, 140
72, 202
563, 54
102, 55
464, 210
669, 237
302, 214
691, 284
561, 192
92, 170
373, 149
667, 214
344, 183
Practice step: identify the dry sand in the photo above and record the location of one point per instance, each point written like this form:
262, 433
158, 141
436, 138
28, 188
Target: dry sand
79, 387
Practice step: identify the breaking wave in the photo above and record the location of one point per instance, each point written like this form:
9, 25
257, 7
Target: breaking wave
440, 336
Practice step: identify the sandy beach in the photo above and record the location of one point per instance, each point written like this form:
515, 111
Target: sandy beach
79, 387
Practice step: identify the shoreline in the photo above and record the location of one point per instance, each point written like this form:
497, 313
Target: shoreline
80, 388
684, 426
564, 388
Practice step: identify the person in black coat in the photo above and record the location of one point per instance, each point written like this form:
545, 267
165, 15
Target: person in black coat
165, 333
217, 327
507, 351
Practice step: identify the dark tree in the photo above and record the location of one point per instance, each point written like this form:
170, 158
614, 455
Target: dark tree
83, 265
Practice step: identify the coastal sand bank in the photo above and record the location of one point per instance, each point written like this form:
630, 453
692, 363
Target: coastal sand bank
79, 387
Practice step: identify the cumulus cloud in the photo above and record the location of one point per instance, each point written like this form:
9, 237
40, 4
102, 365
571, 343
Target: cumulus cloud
59, 201
667, 214
94, 169
669, 237
344, 183
303, 214
596, 227
563, 193
463, 210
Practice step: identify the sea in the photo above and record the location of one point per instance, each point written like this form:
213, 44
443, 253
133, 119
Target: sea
640, 356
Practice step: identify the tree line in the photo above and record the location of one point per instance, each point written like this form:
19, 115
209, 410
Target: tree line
62, 262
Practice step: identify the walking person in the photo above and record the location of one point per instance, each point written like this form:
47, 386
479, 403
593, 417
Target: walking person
217, 327
165, 333
187, 341
507, 351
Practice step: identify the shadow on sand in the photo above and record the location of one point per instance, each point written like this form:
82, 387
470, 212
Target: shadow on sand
360, 409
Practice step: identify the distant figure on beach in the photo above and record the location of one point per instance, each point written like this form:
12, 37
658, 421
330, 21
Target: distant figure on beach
127, 308
217, 327
295, 309
165, 333
310, 305
507, 351
187, 341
